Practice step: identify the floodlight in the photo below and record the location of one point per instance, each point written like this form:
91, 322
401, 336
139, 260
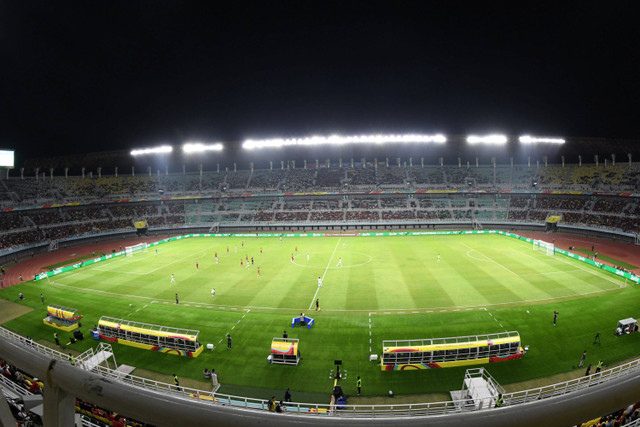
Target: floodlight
6, 158
251, 144
199, 147
154, 150
487, 139
526, 139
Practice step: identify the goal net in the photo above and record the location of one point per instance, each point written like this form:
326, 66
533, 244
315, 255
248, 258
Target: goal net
130, 250
541, 245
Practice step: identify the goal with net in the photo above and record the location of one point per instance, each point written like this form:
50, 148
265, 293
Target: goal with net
541, 245
140, 247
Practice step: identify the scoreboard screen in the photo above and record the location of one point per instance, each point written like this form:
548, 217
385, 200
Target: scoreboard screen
6, 158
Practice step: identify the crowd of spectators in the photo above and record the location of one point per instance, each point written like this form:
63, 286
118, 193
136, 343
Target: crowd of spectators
330, 178
519, 202
25, 383
266, 179
25, 227
326, 216
517, 215
621, 417
364, 204
292, 216
362, 216
361, 176
11, 221
297, 180
423, 176
104, 417
391, 176
238, 179
393, 202
398, 215
610, 205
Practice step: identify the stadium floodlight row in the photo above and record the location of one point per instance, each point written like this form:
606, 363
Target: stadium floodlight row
187, 148
338, 140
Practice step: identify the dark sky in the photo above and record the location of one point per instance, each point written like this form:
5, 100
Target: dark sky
87, 76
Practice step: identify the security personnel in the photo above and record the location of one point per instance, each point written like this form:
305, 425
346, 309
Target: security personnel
359, 385
175, 381
71, 359
499, 401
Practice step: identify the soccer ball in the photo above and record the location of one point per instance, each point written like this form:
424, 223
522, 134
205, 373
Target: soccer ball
527, 311
130, 306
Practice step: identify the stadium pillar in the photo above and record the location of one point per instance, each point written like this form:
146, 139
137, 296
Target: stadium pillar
59, 409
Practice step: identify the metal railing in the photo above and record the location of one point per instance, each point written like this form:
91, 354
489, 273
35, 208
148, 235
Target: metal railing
371, 411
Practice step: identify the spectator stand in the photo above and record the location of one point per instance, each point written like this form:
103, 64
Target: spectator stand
284, 351
63, 318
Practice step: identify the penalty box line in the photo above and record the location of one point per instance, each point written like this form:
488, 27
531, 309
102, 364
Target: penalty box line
324, 274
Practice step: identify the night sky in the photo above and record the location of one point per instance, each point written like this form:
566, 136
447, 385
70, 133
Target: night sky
82, 76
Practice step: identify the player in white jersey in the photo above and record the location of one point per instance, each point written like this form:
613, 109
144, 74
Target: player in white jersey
319, 282
339, 264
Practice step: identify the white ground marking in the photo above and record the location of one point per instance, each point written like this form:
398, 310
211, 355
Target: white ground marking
330, 268
588, 270
420, 310
313, 300
232, 328
550, 272
495, 262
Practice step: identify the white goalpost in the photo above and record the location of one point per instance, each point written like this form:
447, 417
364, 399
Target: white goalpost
541, 245
140, 247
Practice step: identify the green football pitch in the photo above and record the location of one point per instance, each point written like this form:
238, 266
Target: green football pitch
386, 288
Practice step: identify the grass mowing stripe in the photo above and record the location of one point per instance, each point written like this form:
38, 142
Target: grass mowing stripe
401, 277
495, 262
324, 274
588, 270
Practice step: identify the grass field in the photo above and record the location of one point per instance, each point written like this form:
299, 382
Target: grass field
482, 284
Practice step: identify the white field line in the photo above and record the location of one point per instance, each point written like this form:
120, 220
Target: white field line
232, 328
152, 271
324, 274
495, 262
578, 266
550, 272
119, 271
415, 310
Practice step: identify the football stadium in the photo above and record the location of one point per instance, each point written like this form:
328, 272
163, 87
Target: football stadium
342, 279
